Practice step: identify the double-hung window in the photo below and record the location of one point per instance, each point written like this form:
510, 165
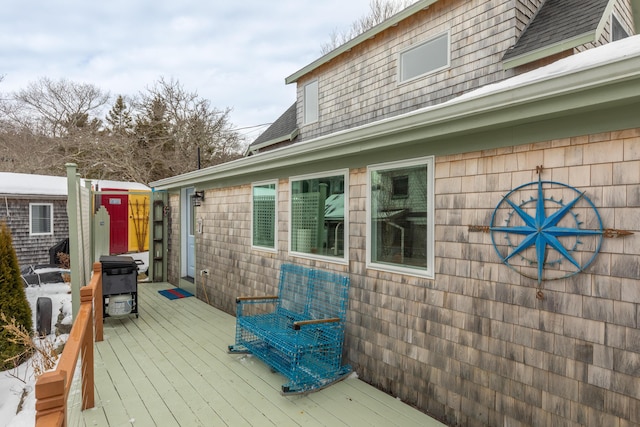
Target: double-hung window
40, 219
427, 57
319, 218
400, 217
264, 202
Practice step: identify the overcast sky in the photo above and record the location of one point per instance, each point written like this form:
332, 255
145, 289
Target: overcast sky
234, 53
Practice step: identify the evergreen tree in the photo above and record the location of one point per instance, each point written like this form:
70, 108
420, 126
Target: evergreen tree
13, 300
119, 118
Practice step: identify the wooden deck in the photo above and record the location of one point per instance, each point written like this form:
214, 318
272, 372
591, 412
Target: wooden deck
170, 367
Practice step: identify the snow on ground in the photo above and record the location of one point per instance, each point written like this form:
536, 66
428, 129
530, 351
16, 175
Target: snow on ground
12, 388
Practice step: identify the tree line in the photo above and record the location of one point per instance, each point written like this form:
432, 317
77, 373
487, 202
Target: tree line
162, 131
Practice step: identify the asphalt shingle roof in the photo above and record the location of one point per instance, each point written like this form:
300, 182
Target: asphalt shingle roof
557, 21
281, 128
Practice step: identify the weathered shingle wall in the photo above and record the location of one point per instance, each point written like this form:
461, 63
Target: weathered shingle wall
475, 346
362, 85
525, 10
33, 250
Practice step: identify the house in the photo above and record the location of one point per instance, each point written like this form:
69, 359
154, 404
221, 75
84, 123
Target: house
474, 166
35, 209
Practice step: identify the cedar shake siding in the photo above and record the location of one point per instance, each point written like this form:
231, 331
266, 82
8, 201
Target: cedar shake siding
474, 346
362, 85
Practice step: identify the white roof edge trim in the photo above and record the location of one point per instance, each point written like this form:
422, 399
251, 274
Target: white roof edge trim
489, 98
283, 138
394, 20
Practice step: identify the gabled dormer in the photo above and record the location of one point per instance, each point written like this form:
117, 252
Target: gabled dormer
562, 28
436, 50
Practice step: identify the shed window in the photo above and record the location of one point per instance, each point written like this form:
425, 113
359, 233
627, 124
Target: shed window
401, 227
263, 199
40, 218
318, 215
427, 57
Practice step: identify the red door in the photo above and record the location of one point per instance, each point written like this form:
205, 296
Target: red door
117, 206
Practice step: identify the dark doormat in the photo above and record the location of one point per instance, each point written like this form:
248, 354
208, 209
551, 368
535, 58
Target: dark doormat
175, 293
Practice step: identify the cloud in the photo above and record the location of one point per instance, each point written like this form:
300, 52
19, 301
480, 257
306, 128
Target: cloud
236, 54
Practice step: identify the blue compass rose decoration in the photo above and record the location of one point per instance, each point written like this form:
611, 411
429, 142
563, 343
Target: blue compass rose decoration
546, 230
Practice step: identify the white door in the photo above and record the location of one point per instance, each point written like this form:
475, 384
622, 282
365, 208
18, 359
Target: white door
189, 231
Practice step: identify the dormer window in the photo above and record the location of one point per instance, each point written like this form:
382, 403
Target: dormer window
311, 102
425, 58
617, 30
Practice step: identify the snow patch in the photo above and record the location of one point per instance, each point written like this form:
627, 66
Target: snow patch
15, 382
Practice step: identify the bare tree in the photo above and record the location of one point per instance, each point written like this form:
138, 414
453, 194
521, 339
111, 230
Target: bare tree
176, 128
49, 106
163, 131
379, 11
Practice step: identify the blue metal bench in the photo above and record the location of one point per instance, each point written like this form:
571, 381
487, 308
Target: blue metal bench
301, 334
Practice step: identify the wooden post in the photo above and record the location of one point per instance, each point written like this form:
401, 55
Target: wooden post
50, 397
86, 298
98, 306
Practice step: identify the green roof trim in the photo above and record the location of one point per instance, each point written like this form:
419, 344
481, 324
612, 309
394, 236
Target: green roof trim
550, 50
394, 20
284, 138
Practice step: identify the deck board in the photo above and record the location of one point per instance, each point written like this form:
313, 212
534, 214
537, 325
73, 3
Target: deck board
170, 367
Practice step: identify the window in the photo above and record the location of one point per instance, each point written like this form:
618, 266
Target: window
400, 217
318, 215
617, 30
427, 57
311, 102
40, 218
264, 220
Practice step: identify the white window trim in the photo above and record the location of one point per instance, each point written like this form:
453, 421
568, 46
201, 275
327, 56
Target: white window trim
275, 225
31, 232
429, 271
305, 121
416, 45
336, 260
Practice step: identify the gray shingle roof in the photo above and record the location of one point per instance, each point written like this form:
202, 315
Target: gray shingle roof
558, 21
279, 130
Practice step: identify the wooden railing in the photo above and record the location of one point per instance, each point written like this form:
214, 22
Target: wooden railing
52, 388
